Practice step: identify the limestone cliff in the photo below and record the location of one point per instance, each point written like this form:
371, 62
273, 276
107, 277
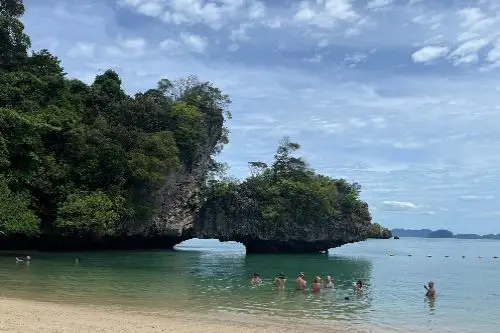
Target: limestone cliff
177, 203
238, 217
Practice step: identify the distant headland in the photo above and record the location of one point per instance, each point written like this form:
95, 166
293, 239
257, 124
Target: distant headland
442, 233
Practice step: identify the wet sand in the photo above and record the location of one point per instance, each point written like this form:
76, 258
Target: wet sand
26, 316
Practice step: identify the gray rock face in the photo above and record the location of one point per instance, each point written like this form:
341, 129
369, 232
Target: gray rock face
178, 202
238, 219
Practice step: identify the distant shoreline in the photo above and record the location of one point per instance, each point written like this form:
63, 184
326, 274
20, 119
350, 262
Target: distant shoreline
442, 233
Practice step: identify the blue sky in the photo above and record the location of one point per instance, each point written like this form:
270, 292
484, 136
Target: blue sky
399, 95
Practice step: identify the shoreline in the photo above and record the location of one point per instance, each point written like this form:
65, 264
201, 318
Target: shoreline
26, 316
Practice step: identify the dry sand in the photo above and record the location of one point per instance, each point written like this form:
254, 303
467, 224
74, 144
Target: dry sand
26, 316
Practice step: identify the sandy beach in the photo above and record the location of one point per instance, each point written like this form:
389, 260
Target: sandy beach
25, 316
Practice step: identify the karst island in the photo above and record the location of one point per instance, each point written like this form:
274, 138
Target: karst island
92, 167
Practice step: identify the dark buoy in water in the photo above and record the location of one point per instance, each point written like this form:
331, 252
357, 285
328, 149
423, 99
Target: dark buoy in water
495, 257
446, 256
409, 255
346, 298
463, 257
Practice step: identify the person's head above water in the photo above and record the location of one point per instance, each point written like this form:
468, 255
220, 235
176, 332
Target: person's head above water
281, 276
301, 274
329, 278
359, 284
256, 275
431, 284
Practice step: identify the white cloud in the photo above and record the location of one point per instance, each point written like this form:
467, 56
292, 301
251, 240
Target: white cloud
467, 52
145, 7
314, 59
257, 10
373, 4
82, 49
352, 60
195, 43
399, 205
327, 14
477, 197
429, 53
134, 44
470, 16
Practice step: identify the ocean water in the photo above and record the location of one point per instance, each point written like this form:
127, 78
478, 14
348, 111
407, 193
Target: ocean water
208, 276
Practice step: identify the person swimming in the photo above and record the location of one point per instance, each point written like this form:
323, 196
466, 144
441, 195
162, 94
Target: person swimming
27, 259
280, 281
430, 291
329, 282
316, 286
359, 287
256, 279
300, 283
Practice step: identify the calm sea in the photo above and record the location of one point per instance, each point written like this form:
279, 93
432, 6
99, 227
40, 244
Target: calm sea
208, 276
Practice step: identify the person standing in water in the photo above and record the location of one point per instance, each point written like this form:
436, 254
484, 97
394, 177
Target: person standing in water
300, 283
280, 281
329, 282
255, 279
430, 291
359, 287
316, 286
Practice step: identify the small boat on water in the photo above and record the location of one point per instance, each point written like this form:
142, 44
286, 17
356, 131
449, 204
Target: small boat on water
396, 237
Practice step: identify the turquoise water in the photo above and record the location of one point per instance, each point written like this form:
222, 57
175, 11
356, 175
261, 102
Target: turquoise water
211, 276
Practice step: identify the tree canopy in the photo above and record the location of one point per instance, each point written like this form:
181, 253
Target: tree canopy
379, 232
85, 159
288, 199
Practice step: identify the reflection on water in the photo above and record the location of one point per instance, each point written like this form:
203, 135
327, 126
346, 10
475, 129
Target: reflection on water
431, 303
218, 279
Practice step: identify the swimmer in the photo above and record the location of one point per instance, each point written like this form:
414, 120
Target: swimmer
359, 287
280, 281
329, 282
27, 259
316, 286
255, 279
300, 283
77, 260
431, 292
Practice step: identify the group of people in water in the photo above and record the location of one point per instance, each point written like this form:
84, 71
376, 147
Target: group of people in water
301, 284
27, 260
319, 283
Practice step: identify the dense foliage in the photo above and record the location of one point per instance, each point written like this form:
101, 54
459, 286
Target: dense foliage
379, 232
288, 199
84, 159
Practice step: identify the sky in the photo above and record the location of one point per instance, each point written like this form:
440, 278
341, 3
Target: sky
401, 96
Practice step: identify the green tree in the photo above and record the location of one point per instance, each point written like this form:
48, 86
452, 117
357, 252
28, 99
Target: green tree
13, 42
15, 214
90, 159
286, 200
96, 214
379, 232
